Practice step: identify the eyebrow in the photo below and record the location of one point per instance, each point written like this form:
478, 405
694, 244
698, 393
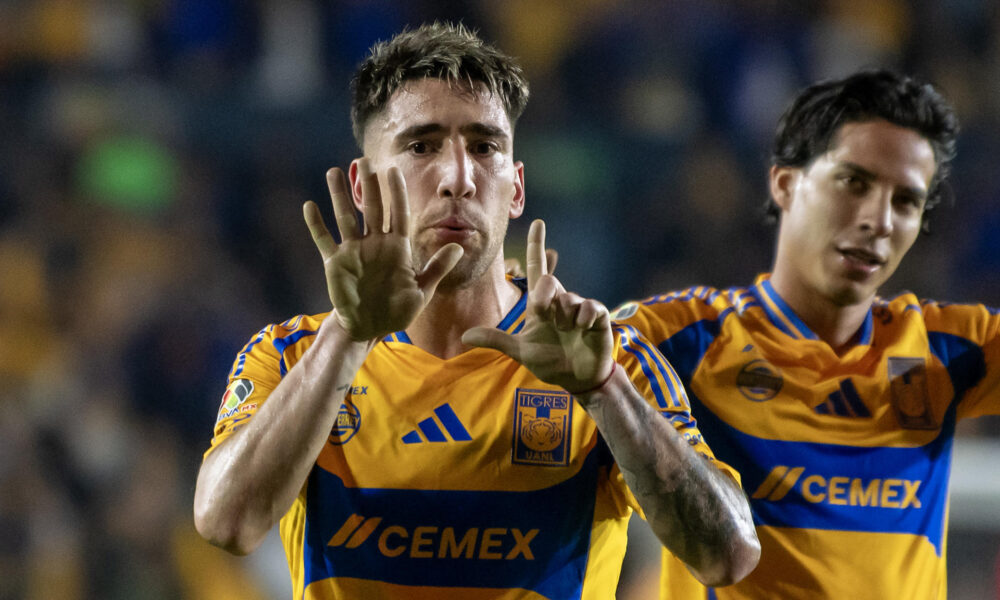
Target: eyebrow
863, 172
478, 129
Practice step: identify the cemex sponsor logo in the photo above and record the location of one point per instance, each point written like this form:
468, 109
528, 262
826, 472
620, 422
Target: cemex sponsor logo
433, 541
839, 491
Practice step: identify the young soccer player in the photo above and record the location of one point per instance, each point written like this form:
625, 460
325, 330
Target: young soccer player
447, 431
838, 406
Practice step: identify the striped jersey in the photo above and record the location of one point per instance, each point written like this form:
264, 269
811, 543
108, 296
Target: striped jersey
459, 478
845, 458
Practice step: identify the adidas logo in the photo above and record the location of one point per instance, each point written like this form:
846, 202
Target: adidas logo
845, 402
433, 430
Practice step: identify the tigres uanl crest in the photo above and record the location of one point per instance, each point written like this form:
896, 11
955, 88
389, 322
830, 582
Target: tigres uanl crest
542, 425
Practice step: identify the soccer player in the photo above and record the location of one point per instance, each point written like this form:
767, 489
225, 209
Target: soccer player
838, 406
447, 431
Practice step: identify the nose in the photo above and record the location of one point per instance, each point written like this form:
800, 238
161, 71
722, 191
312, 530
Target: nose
877, 212
456, 172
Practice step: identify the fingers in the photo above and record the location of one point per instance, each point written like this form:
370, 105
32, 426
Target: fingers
439, 265
512, 266
491, 337
536, 253
566, 308
551, 258
343, 209
320, 234
399, 208
541, 298
371, 196
593, 315
571, 311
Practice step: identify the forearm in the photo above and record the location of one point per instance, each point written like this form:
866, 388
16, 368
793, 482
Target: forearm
248, 482
696, 510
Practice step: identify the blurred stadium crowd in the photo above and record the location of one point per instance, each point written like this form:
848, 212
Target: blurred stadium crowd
156, 153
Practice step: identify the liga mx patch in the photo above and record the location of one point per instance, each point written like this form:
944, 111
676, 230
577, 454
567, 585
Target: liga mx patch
542, 424
236, 394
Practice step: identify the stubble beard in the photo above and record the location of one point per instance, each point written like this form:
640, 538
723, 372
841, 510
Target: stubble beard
471, 268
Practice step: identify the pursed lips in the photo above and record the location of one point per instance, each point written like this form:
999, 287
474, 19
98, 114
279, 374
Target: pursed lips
453, 223
452, 229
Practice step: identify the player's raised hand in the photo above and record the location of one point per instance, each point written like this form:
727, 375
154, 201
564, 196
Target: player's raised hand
370, 276
512, 266
566, 339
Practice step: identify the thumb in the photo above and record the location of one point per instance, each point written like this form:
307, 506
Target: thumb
439, 265
491, 337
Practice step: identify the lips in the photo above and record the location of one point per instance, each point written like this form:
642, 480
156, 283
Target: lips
452, 229
453, 223
863, 256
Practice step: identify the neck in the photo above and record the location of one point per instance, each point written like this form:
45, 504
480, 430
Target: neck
835, 324
451, 311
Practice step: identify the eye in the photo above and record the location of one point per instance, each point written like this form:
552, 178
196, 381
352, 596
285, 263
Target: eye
485, 148
853, 184
418, 147
908, 201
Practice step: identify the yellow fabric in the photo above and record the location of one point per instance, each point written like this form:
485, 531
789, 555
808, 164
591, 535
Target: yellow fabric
845, 458
445, 475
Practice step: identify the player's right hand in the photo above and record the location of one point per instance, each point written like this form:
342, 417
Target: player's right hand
370, 276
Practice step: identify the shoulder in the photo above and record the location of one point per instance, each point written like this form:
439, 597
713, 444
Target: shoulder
268, 346
297, 326
973, 321
662, 315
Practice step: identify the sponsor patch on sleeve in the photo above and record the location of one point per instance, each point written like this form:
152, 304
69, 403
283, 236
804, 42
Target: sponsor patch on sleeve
235, 398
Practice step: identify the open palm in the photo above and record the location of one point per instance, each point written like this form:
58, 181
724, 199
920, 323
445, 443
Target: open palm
370, 276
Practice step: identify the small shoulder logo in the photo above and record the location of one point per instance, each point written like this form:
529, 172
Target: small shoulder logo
542, 424
908, 384
348, 423
759, 380
625, 311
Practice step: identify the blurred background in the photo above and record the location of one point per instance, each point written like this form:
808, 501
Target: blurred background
155, 155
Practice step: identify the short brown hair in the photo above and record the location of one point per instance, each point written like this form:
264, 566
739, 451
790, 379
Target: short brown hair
441, 50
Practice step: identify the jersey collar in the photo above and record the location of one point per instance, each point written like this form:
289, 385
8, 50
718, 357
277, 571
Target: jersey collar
784, 318
512, 322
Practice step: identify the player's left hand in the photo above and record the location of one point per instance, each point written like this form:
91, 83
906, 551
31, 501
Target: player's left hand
566, 339
512, 266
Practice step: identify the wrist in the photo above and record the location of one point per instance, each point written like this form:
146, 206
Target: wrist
333, 327
600, 385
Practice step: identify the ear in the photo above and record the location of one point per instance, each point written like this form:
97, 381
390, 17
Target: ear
355, 181
783, 181
517, 202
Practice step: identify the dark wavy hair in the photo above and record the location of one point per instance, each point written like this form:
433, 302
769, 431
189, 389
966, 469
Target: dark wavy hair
810, 123
441, 50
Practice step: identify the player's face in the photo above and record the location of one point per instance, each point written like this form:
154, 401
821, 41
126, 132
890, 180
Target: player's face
454, 149
850, 217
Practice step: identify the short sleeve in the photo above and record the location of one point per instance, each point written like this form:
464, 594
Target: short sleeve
966, 338
254, 375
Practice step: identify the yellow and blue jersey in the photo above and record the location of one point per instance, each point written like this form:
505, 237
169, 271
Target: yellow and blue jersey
459, 478
845, 458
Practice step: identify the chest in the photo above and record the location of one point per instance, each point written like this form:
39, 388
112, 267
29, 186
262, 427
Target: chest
420, 424
892, 392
